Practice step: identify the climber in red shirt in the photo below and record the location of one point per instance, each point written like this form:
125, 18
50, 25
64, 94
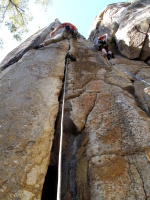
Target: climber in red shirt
102, 44
70, 32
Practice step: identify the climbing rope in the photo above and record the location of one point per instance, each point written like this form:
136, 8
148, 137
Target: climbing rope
136, 77
61, 139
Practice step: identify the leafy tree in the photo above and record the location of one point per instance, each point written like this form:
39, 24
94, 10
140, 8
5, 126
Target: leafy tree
15, 14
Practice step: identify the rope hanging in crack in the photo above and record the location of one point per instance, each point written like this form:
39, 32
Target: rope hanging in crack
61, 139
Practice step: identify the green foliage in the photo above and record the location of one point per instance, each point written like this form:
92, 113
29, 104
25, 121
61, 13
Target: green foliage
16, 16
44, 3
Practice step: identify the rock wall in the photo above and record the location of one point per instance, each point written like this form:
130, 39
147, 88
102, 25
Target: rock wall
128, 25
106, 134
106, 143
29, 104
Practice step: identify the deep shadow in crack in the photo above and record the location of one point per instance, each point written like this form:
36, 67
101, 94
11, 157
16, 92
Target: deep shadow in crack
51, 179
50, 184
69, 134
130, 89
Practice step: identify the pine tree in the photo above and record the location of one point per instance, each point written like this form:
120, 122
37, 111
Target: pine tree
15, 14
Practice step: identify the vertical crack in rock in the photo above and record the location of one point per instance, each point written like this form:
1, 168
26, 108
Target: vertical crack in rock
91, 109
51, 179
69, 164
141, 179
72, 172
50, 184
131, 180
146, 36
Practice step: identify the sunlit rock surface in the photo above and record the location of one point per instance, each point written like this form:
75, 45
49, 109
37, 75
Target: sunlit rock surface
29, 104
106, 142
107, 155
127, 24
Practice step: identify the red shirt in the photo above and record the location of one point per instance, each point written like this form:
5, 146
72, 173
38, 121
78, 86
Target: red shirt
100, 37
71, 25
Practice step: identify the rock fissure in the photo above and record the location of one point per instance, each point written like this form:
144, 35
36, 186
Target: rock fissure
121, 152
143, 186
51, 179
91, 109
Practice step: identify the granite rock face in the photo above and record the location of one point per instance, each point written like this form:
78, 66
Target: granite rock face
29, 105
16, 54
106, 134
128, 25
106, 142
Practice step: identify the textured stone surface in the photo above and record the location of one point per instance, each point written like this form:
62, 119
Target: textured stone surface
29, 105
127, 24
108, 20
133, 38
28, 44
106, 142
107, 155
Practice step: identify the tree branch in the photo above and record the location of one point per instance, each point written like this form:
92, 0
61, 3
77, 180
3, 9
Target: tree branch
16, 6
6, 7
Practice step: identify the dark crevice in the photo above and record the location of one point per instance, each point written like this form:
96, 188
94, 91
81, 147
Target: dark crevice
130, 89
147, 60
50, 184
51, 179
69, 155
70, 134
68, 183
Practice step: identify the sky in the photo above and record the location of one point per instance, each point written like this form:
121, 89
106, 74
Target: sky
81, 13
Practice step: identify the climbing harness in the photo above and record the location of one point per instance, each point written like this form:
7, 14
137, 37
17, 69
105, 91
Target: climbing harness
136, 77
61, 139
74, 33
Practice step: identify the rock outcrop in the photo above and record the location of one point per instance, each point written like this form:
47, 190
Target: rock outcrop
106, 142
29, 105
128, 25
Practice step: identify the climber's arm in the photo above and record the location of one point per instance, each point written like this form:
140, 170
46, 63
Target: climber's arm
56, 29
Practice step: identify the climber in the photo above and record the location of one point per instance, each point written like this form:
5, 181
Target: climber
70, 32
101, 43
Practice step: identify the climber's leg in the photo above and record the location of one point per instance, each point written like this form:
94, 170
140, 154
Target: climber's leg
73, 48
111, 54
104, 51
57, 38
